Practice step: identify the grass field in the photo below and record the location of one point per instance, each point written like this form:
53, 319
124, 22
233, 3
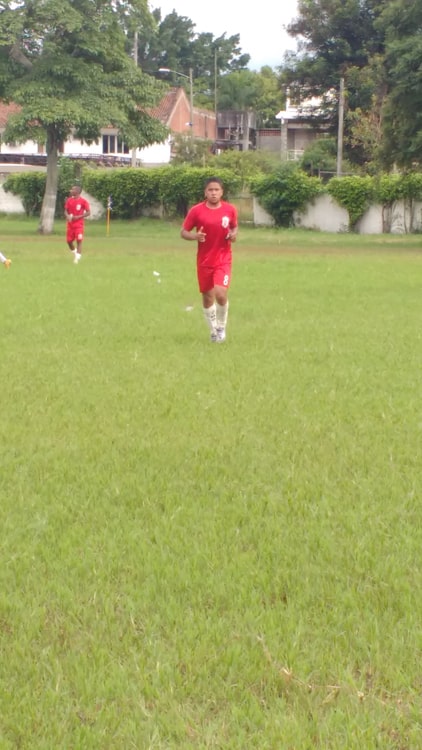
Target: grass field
210, 546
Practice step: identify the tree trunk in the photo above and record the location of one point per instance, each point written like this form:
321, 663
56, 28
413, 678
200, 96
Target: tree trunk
48, 207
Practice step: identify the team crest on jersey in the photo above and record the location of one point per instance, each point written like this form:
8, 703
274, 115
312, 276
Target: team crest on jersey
225, 222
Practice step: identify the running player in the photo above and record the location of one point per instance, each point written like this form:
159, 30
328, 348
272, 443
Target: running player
76, 209
213, 225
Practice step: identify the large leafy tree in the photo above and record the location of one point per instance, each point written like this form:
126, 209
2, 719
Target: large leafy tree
333, 36
340, 39
169, 44
401, 22
173, 43
238, 90
258, 91
65, 63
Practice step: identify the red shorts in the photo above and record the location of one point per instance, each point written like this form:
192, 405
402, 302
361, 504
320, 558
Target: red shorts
74, 231
209, 277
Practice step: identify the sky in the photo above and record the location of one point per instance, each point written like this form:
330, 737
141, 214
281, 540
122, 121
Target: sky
259, 25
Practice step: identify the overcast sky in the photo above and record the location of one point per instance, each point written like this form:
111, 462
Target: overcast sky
260, 26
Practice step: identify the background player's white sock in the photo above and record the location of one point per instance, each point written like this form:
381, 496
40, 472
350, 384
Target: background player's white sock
210, 317
2, 258
222, 312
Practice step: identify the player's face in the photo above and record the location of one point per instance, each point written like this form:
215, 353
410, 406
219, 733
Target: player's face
213, 193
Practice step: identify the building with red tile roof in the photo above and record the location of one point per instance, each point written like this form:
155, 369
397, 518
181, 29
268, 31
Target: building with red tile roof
173, 111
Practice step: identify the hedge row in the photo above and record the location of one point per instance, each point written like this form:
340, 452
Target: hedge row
282, 192
131, 190
30, 187
288, 190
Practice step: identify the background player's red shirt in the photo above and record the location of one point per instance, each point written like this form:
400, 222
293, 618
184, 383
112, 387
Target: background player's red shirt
76, 206
216, 223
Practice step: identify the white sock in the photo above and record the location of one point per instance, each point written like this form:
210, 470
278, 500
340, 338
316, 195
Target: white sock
2, 258
210, 317
222, 312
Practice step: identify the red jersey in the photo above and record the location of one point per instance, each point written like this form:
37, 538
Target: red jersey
76, 206
216, 223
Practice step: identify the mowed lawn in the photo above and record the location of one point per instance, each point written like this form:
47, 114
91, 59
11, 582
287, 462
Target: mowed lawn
210, 546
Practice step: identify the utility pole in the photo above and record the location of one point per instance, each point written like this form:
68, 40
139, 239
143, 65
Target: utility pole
340, 128
215, 84
191, 103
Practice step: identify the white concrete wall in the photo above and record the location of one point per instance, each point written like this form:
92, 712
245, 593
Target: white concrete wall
325, 215
260, 215
12, 204
9, 203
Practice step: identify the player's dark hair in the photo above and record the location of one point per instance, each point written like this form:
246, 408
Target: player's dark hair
213, 179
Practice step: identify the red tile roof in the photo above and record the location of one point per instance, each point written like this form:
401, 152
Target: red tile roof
165, 107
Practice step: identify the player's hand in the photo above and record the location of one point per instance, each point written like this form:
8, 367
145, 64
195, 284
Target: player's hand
201, 235
231, 235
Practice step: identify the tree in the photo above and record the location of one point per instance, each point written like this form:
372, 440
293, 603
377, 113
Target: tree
401, 23
270, 98
170, 45
340, 39
64, 62
196, 153
238, 90
334, 35
173, 43
247, 89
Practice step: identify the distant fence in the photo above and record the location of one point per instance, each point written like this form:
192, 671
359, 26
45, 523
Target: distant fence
40, 160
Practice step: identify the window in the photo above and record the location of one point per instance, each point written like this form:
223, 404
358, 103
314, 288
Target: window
113, 144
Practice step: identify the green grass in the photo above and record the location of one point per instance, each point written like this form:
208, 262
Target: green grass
210, 546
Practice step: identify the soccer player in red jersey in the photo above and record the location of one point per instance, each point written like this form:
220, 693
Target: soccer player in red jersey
76, 209
213, 225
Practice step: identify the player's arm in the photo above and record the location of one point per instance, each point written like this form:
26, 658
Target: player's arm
84, 215
232, 233
197, 235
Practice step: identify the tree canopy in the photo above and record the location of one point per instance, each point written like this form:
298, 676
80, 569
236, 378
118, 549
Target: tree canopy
402, 26
65, 63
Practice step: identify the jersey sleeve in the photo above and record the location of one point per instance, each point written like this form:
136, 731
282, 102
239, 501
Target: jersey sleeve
190, 220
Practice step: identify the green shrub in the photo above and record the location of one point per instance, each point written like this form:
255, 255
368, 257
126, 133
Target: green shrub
175, 188
181, 187
30, 187
284, 191
131, 189
247, 164
354, 194
320, 156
